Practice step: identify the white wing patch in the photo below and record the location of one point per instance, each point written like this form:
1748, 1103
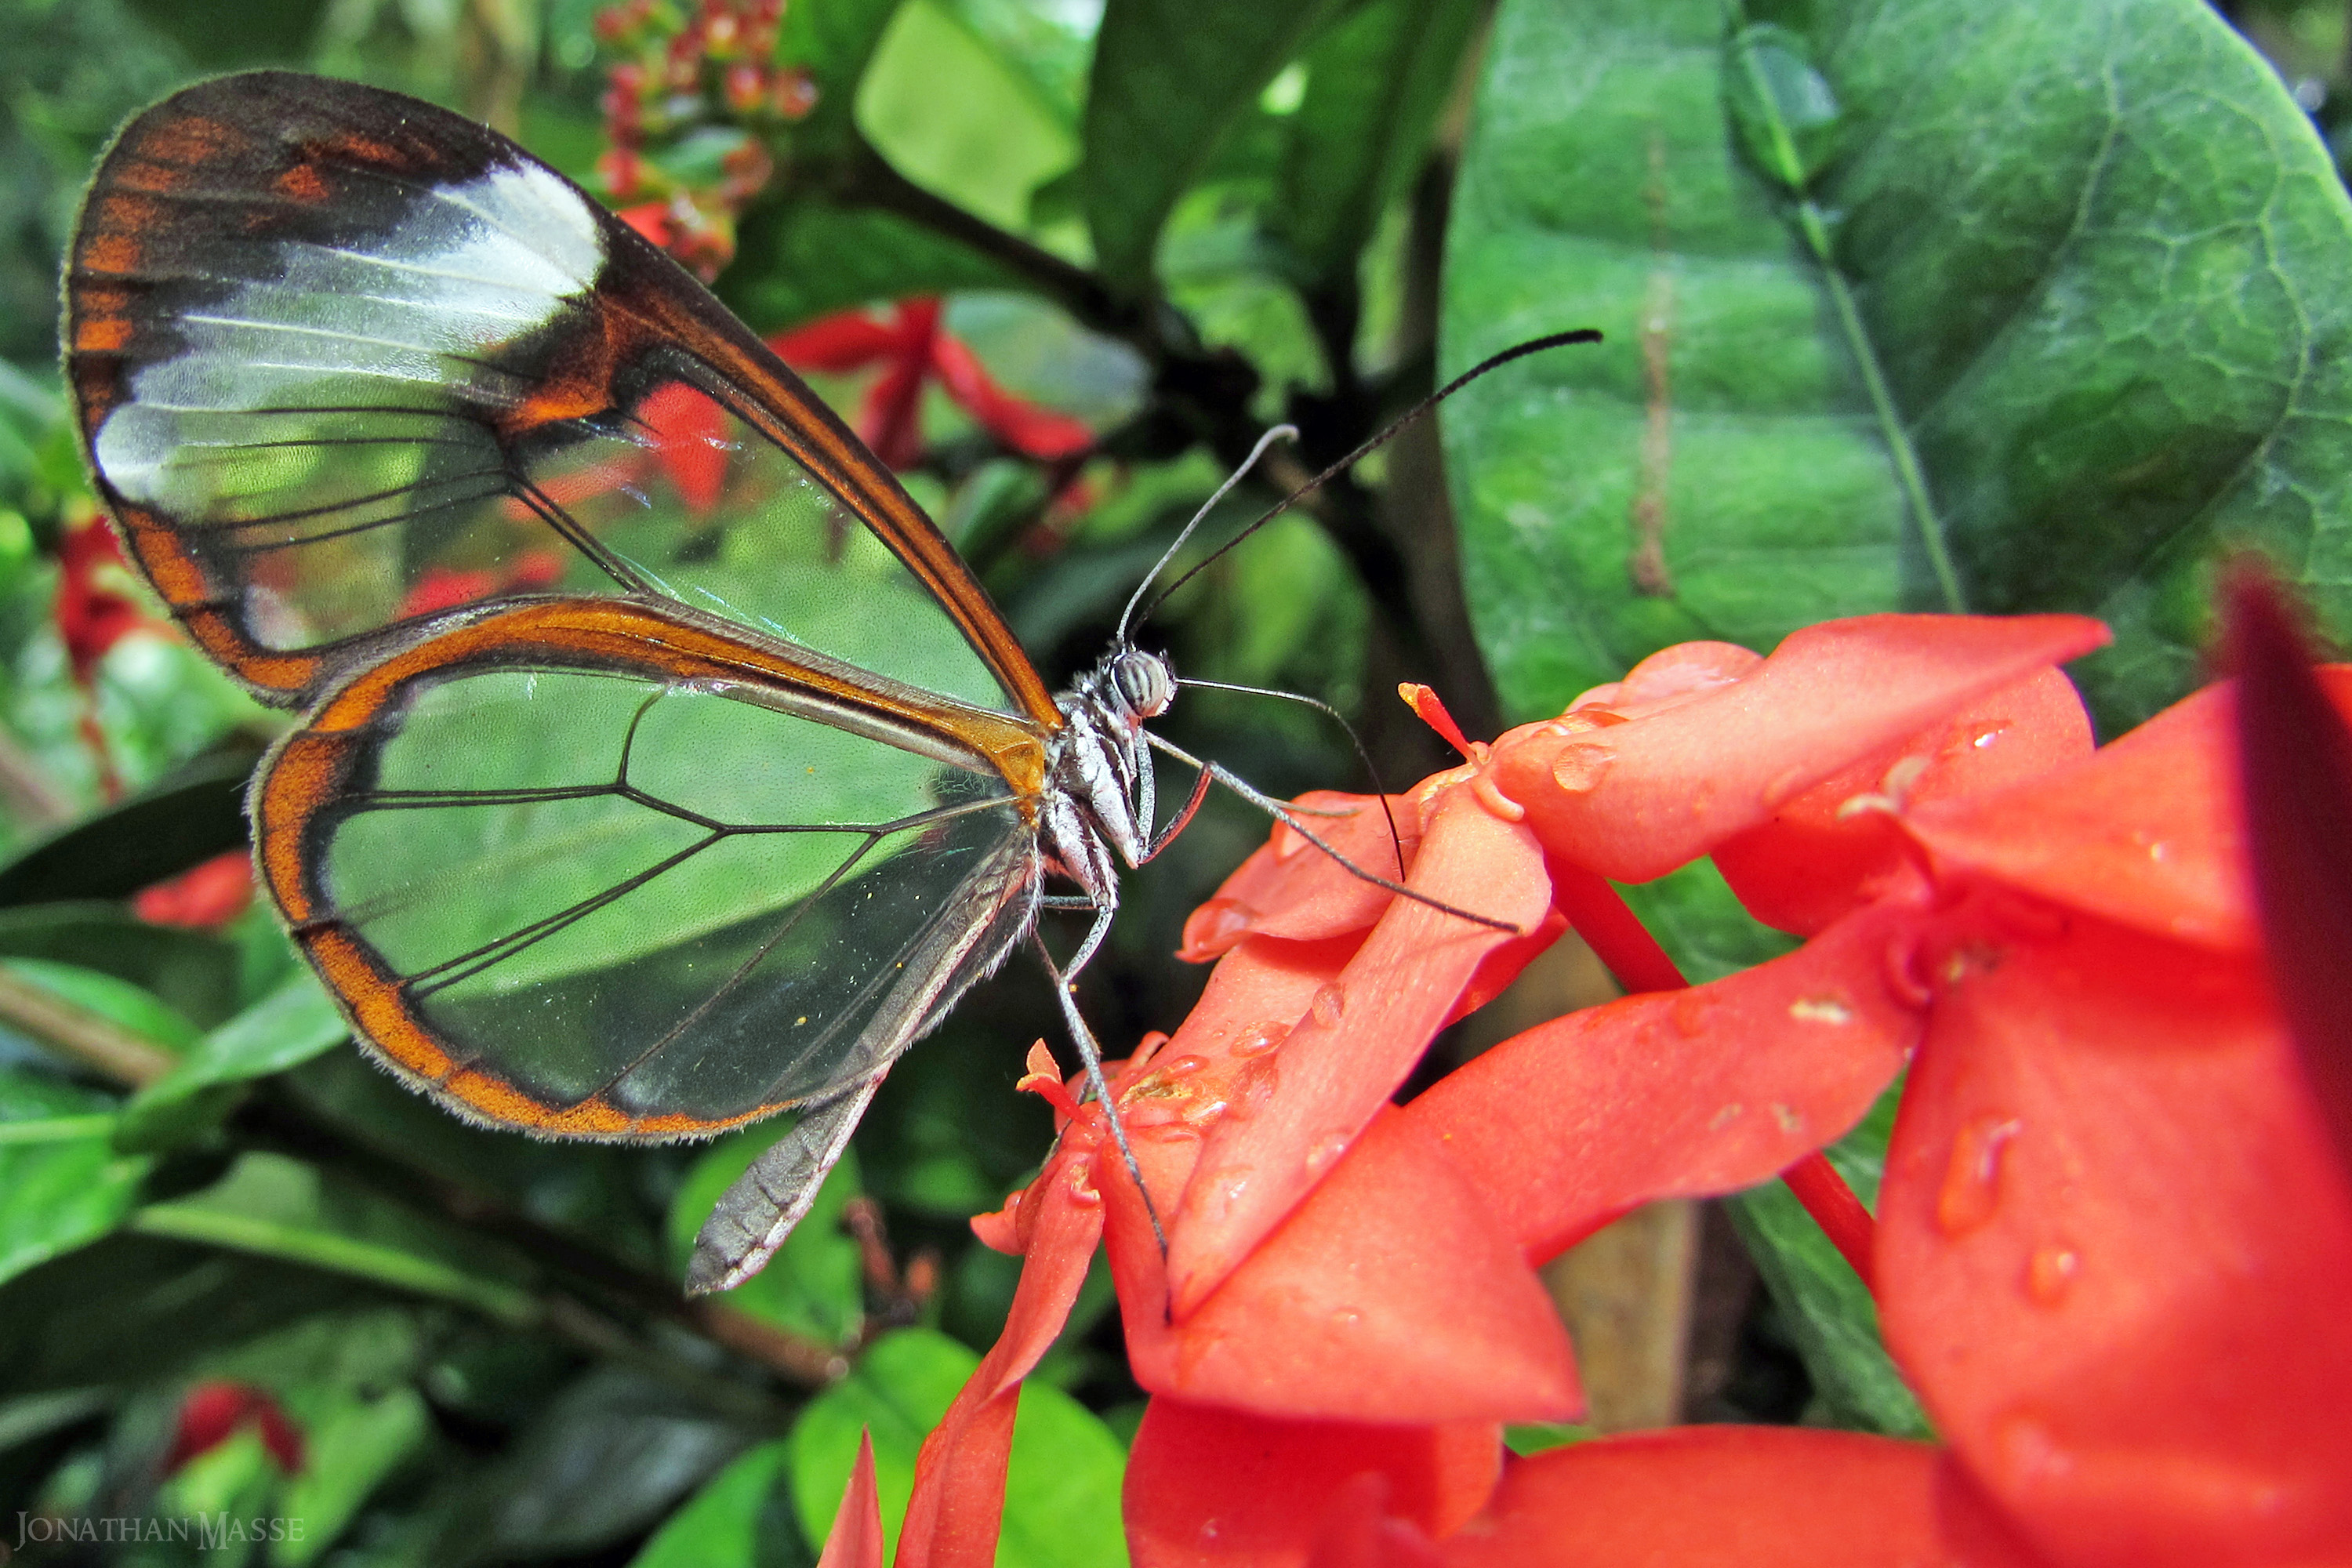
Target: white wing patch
411, 320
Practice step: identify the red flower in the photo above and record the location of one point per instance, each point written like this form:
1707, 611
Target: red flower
911, 348
2113, 1237
214, 1412
202, 896
447, 587
93, 607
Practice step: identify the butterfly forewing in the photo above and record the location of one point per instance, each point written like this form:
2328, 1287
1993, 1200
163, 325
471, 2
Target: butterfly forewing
345, 361
662, 767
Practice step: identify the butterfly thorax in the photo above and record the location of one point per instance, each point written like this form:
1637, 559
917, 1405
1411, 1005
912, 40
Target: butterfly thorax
1100, 797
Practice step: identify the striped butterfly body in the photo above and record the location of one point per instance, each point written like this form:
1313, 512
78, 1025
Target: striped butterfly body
661, 766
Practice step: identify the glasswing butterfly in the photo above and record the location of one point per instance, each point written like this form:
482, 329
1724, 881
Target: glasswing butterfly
733, 782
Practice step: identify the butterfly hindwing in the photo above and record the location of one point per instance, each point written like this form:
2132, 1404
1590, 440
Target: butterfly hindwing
687, 882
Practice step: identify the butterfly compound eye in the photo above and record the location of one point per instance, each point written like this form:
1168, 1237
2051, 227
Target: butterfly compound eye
1144, 682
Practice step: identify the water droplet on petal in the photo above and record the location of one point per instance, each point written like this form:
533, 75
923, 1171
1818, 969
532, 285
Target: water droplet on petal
1227, 1186
1578, 769
1256, 1087
1181, 1067
1177, 1131
1688, 1015
1346, 1316
1326, 1149
1972, 1189
1783, 788
1217, 924
1985, 734
2049, 1272
1329, 1003
1259, 1040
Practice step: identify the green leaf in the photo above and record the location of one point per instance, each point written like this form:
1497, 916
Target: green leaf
195, 815
1169, 77
275, 1207
1828, 1309
1918, 304
62, 1186
802, 257
1061, 1494
284, 1029
734, 1522
814, 1284
346, 1454
195, 972
986, 145
602, 1461
1375, 83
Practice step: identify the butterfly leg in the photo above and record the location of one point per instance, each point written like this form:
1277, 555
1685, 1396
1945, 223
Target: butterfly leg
1091, 1054
1282, 813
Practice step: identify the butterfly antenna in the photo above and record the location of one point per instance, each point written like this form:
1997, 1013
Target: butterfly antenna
1380, 790
1492, 362
1279, 432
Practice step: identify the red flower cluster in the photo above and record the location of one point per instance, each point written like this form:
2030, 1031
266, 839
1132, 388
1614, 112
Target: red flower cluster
684, 70
2115, 1235
911, 348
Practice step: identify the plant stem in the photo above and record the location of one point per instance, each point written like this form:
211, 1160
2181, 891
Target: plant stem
90, 1039
1835, 1208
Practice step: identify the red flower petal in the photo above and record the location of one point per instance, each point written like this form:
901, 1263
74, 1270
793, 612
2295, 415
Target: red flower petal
211, 894
1021, 425
689, 433
1358, 1040
1636, 799
1289, 888
212, 1412
91, 610
1390, 1294
2147, 832
1219, 1489
1836, 847
959, 1497
1563, 1128
2294, 759
1736, 1497
850, 339
2114, 1250
855, 1539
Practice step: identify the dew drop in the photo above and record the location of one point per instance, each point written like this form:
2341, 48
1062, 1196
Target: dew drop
1326, 1149
1256, 1087
1329, 1005
1688, 1015
1985, 734
1260, 1040
1218, 924
1181, 1067
1820, 1010
1228, 1185
1177, 1131
1783, 789
1578, 769
2050, 1273
1346, 1316
1972, 1189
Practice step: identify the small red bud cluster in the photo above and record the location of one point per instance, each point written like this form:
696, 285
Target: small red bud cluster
682, 70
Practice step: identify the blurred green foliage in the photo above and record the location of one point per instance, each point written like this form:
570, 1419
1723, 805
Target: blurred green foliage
1842, 313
